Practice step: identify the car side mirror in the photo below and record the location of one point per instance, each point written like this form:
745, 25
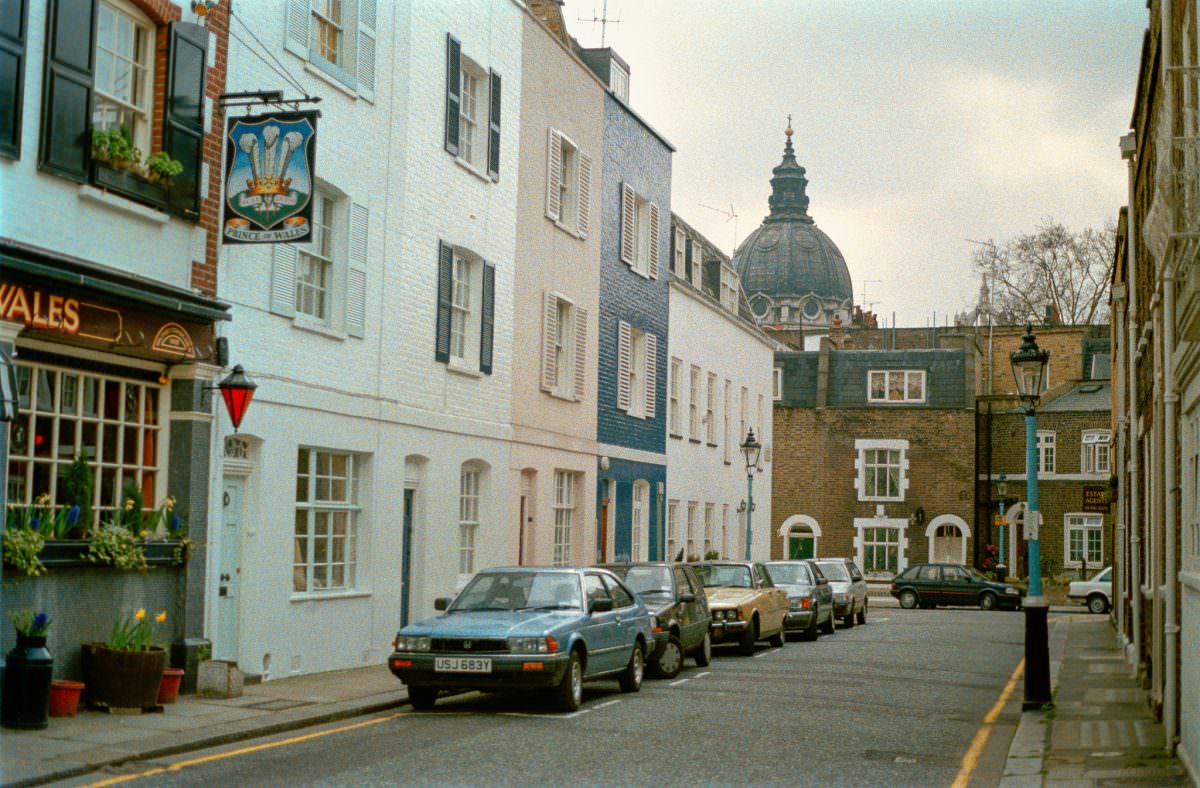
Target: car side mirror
687, 598
600, 605
441, 603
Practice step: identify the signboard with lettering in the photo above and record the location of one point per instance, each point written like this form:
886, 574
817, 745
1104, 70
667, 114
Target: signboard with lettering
1095, 498
269, 166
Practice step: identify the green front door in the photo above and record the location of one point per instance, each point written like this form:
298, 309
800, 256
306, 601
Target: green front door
800, 547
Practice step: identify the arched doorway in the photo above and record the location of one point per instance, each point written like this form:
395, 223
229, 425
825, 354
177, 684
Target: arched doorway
800, 534
947, 535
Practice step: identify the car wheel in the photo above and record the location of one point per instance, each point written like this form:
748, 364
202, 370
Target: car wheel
908, 599
748, 639
778, 639
703, 652
987, 601
812, 632
848, 620
569, 692
422, 698
830, 625
862, 614
631, 679
670, 662
1097, 603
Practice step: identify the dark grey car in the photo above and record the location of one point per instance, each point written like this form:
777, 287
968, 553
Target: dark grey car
678, 606
849, 589
810, 597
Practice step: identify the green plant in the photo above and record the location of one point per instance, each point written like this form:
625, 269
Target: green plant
134, 633
115, 146
130, 516
162, 165
21, 549
712, 555
30, 623
75, 488
117, 546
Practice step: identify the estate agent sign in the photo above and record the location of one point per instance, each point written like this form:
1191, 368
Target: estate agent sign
1095, 498
269, 161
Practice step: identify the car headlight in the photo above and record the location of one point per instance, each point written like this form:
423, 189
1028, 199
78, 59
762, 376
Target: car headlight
841, 597
412, 643
1011, 590
654, 625
527, 645
797, 603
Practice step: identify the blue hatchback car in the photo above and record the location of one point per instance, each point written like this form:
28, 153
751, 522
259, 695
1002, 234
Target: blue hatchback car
527, 627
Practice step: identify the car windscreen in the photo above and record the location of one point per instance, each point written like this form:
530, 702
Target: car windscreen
520, 591
648, 579
717, 575
789, 574
834, 570
976, 574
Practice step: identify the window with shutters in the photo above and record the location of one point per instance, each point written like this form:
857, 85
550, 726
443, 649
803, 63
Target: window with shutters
124, 87
465, 310
314, 274
460, 308
337, 37
637, 373
678, 253
673, 425
564, 348
1096, 453
472, 128
473, 95
568, 185
694, 404
639, 232
637, 363
710, 410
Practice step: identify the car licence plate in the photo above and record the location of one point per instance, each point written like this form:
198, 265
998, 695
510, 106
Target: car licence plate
462, 665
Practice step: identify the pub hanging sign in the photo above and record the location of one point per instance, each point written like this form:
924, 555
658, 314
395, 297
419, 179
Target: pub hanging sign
269, 165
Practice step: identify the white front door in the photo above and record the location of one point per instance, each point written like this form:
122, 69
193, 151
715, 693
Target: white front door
225, 644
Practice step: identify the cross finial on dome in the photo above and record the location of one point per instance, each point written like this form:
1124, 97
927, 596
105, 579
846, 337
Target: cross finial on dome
789, 128
788, 150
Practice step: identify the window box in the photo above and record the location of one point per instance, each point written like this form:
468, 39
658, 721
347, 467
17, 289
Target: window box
74, 552
126, 184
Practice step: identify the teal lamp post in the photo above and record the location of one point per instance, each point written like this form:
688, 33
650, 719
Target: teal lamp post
1002, 491
1029, 369
751, 448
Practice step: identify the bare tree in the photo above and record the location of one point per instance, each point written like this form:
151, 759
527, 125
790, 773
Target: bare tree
1050, 267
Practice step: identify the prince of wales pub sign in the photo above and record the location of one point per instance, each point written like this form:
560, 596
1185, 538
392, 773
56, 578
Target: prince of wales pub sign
269, 162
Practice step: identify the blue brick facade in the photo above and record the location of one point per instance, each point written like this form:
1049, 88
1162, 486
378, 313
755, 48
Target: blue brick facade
633, 154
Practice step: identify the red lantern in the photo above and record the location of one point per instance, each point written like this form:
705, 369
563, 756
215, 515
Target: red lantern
237, 389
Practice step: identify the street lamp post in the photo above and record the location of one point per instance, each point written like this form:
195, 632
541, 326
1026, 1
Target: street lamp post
1002, 489
751, 448
1029, 367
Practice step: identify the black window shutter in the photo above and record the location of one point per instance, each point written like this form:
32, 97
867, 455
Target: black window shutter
453, 91
487, 327
12, 74
441, 350
183, 129
67, 88
494, 128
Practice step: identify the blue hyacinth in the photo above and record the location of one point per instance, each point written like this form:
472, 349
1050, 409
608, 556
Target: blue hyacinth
39, 622
72, 516
175, 523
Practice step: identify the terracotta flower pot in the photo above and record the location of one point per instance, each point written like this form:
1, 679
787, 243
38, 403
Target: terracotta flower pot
64, 697
168, 690
122, 679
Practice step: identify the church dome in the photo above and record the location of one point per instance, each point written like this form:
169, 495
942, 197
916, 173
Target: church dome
788, 260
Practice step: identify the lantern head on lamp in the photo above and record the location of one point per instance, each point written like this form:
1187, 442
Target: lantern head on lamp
237, 389
1029, 368
751, 449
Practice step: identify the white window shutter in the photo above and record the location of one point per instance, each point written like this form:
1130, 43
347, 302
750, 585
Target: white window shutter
651, 374
624, 363
283, 280
585, 194
554, 176
356, 273
549, 338
366, 48
697, 263
628, 220
653, 241
298, 14
580, 351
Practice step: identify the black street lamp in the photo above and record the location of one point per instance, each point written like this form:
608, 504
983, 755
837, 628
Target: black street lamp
1029, 369
751, 448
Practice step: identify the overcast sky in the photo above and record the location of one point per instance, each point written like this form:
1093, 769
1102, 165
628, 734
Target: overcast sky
921, 123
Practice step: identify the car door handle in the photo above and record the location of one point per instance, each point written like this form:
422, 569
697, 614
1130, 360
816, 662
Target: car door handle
619, 619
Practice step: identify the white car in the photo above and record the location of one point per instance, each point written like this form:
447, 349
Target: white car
1095, 593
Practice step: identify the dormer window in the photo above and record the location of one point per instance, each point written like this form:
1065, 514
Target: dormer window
618, 81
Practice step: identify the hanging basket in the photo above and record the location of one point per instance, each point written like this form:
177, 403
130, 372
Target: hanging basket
122, 679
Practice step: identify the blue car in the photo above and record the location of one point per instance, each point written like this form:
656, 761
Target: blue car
523, 628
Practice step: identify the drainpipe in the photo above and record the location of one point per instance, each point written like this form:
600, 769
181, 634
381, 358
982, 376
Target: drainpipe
1122, 554
1171, 403
1128, 152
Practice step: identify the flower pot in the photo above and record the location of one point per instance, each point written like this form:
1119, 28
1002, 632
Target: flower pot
64, 697
168, 690
27, 684
122, 679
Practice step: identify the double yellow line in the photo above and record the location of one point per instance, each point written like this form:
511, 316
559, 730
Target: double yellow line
971, 759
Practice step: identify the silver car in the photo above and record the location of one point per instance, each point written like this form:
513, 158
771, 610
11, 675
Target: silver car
1095, 593
849, 589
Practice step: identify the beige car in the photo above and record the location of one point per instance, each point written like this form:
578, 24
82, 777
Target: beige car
746, 606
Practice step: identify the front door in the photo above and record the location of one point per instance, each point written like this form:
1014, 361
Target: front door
604, 530
947, 545
800, 546
406, 556
230, 570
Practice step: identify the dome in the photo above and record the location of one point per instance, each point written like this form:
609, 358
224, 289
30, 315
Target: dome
788, 261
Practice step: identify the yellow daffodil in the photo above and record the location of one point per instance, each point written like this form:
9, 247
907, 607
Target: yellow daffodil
161, 617
128, 504
140, 614
144, 533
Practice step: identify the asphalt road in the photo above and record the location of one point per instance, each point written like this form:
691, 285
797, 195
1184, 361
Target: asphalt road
896, 702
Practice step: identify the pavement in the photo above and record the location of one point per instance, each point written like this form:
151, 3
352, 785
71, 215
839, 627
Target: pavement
1100, 730
74, 746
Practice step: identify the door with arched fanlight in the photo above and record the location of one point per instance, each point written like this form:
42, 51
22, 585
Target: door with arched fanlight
947, 535
801, 543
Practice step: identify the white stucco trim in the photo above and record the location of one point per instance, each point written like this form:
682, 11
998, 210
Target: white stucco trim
785, 531
860, 477
948, 519
632, 455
